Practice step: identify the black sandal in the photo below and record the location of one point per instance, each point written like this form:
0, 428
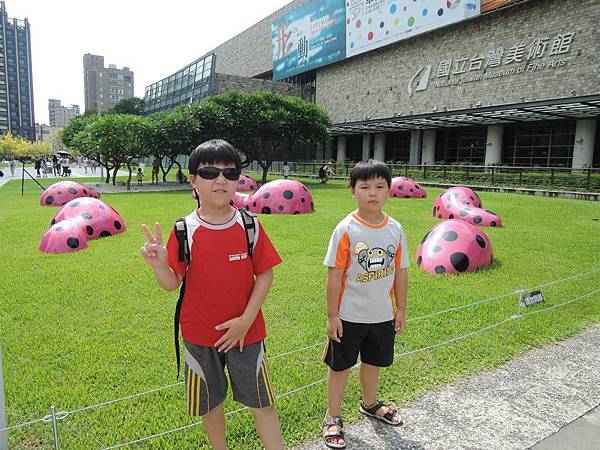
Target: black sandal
388, 417
339, 433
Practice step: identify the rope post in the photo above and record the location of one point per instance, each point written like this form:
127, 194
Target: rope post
54, 428
519, 293
3, 434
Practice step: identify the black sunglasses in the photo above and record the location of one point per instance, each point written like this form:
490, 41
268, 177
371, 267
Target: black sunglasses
210, 173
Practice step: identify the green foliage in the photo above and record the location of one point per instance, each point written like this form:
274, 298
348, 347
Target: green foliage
265, 126
173, 132
92, 326
131, 105
116, 139
13, 147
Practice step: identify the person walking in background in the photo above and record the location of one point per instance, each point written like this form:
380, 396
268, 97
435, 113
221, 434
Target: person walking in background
13, 166
181, 177
37, 166
140, 176
65, 166
56, 165
155, 169
286, 170
43, 168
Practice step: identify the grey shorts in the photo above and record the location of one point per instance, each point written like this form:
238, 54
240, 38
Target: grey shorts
206, 383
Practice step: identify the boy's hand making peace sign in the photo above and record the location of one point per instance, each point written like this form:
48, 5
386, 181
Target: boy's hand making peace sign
154, 250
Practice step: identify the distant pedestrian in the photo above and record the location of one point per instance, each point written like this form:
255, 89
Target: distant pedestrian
286, 170
37, 165
93, 165
86, 163
65, 166
56, 165
140, 176
181, 177
43, 168
155, 169
13, 166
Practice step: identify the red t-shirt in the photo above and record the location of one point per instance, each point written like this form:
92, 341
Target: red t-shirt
220, 277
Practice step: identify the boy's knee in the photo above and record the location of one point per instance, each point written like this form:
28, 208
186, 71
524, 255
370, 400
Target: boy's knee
266, 410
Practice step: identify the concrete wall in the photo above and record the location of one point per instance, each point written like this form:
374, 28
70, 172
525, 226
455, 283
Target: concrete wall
226, 83
375, 84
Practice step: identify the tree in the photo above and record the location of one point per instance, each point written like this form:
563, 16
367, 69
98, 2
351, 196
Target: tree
38, 149
265, 126
117, 139
131, 105
13, 147
75, 137
173, 132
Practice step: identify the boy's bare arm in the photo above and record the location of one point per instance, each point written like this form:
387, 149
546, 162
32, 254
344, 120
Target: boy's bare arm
238, 326
400, 294
334, 287
155, 254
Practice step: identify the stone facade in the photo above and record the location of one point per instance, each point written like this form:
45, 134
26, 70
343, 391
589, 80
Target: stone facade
375, 84
226, 83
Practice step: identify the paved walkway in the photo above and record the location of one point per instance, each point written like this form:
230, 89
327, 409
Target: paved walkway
545, 400
76, 172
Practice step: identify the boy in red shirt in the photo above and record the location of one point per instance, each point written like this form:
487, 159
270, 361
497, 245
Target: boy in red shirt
221, 321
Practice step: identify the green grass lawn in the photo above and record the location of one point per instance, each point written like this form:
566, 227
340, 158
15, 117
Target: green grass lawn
82, 328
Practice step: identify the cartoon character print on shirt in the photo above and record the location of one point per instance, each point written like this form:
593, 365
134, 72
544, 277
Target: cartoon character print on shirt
377, 262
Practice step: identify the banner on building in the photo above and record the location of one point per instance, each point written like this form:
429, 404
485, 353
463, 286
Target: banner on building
371, 24
308, 37
490, 5
321, 32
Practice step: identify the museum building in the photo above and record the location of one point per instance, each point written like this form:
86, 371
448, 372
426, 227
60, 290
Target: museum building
503, 82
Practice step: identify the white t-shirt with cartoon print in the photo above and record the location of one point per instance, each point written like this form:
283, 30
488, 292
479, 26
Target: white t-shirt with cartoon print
369, 255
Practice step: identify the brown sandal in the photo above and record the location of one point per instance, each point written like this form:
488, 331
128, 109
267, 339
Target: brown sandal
388, 417
339, 433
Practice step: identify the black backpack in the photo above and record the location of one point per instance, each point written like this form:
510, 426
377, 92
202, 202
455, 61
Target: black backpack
322, 172
250, 227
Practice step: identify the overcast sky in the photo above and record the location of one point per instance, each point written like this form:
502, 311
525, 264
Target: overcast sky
153, 38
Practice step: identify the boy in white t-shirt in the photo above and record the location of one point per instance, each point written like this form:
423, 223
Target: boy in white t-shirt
366, 297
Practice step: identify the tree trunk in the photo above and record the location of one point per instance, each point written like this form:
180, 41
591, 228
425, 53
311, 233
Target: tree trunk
114, 177
108, 169
129, 177
265, 165
165, 172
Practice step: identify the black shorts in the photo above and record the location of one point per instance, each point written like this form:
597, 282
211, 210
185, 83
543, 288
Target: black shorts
374, 342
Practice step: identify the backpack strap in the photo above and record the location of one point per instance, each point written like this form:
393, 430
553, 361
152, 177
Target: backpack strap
183, 255
250, 227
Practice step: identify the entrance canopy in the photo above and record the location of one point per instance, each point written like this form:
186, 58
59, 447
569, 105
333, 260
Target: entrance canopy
587, 107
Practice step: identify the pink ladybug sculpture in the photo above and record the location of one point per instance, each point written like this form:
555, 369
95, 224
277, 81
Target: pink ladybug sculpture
62, 192
454, 246
94, 217
463, 204
245, 183
281, 197
65, 236
403, 187
240, 200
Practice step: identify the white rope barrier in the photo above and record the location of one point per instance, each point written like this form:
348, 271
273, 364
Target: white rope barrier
63, 414
397, 355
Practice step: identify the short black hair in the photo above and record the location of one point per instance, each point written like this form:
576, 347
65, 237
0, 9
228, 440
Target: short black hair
366, 170
214, 151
